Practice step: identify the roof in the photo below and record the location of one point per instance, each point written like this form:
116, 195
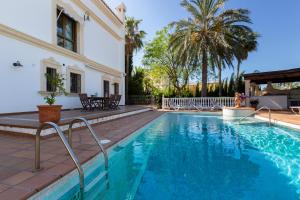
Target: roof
280, 76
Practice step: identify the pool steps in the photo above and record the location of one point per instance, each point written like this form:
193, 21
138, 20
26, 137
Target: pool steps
96, 180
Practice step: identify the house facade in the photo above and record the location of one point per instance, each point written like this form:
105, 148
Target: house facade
83, 40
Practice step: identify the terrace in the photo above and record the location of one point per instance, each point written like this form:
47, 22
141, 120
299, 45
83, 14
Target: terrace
18, 178
28, 123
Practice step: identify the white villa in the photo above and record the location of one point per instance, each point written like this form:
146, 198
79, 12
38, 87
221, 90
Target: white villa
81, 39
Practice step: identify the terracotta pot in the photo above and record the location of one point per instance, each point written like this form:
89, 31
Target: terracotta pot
49, 113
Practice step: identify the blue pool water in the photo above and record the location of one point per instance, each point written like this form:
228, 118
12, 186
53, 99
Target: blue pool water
197, 156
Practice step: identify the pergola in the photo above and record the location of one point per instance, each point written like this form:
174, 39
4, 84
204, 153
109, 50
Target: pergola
252, 80
281, 76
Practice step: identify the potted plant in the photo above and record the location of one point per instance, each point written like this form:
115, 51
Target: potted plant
51, 112
254, 103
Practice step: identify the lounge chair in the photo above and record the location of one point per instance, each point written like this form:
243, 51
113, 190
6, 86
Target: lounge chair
205, 105
295, 109
175, 105
200, 106
87, 104
215, 105
196, 105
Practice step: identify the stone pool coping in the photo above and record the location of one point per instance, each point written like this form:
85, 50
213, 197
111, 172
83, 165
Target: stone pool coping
278, 122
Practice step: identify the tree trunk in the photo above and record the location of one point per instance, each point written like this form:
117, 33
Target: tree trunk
204, 74
127, 78
220, 80
237, 75
130, 65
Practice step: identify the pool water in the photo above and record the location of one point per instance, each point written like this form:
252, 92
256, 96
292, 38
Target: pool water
197, 156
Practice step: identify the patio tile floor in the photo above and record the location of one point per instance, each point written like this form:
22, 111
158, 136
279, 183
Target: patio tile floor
283, 116
19, 180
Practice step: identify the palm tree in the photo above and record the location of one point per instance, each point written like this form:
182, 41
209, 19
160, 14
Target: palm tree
241, 50
209, 30
134, 42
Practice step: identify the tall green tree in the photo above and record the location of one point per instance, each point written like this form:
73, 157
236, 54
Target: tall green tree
208, 31
158, 55
137, 81
134, 42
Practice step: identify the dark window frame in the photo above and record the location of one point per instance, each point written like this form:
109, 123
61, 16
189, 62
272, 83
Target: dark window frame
64, 20
75, 83
116, 88
52, 72
106, 88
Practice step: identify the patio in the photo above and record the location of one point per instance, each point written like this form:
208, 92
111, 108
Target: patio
28, 123
17, 177
285, 118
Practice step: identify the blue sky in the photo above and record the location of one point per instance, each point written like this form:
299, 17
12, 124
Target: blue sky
277, 21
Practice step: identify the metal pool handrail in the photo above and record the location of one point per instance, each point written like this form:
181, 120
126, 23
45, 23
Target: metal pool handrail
67, 146
80, 119
262, 108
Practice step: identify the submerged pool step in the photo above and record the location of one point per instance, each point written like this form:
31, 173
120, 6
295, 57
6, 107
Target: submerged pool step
97, 188
100, 178
97, 193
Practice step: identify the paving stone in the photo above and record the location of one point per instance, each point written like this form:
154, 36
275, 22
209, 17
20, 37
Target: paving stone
14, 193
18, 178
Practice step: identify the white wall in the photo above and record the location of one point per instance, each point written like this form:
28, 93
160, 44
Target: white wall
20, 87
100, 46
31, 16
272, 102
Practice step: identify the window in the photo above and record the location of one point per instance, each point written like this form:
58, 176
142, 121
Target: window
50, 67
106, 88
75, 83
66, 31
116, 88
52, 73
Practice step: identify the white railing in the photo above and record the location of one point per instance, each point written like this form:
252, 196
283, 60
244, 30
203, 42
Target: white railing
200, 102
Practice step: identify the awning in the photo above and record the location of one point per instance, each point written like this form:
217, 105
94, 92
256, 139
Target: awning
281, 76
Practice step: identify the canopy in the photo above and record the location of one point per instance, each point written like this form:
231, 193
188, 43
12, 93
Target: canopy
281, 76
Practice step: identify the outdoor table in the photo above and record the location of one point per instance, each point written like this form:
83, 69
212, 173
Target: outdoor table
102, 102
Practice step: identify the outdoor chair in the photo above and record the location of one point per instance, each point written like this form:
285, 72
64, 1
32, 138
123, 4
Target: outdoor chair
114, 101
87, 104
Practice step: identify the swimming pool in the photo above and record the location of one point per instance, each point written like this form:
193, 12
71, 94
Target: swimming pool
194, 156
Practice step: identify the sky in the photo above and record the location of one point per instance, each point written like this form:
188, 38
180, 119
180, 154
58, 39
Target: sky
277, 21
